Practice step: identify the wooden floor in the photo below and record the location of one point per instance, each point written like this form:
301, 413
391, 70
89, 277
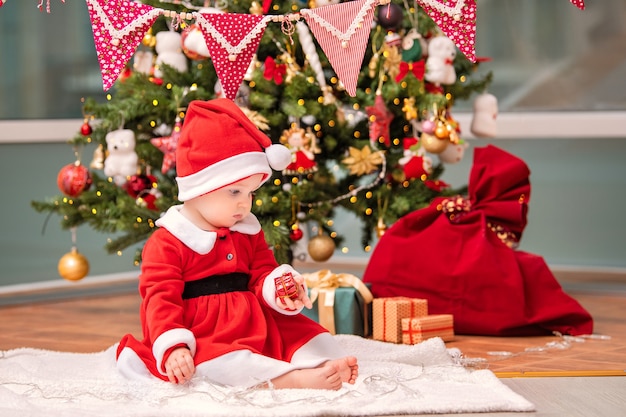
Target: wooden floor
93, 323
585, 379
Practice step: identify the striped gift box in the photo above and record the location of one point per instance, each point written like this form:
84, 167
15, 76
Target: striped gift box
418, 329
387, 313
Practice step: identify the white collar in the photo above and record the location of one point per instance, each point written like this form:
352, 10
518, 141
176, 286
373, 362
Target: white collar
201, 241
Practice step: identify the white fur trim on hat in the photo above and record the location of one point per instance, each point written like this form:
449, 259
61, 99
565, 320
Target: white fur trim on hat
222, 173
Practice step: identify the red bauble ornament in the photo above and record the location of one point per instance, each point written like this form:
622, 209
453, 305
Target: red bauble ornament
73, 179
85, 129
139, 184
296, 234
286, 286
142, 187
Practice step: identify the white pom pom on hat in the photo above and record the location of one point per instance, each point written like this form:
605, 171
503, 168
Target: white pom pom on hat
219, 145
278, 156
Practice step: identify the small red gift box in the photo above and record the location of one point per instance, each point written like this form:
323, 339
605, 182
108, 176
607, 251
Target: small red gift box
418, 329
286, 286
388, 312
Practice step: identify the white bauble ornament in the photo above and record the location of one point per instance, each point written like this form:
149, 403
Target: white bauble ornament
453, 153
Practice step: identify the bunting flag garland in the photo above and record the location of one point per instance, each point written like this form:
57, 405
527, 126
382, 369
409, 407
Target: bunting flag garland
342, 31
118, 28
578, 3
232, 40
457, 19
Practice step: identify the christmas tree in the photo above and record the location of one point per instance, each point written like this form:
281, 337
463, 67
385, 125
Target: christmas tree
374, 141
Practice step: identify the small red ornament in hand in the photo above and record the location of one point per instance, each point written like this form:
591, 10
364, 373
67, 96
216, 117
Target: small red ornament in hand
286, 286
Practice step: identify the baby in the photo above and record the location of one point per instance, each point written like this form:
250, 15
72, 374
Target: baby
210, 305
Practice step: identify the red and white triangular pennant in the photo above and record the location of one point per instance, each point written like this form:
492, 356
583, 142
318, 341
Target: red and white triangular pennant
232, 40
457, 19
118, 28
342, 31
578, 3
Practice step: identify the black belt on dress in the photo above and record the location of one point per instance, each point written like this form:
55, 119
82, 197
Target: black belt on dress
216, 284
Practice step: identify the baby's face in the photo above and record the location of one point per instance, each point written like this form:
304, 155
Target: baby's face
226, 206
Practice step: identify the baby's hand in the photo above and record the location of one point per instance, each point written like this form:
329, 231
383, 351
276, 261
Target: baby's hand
179, 366
301, 300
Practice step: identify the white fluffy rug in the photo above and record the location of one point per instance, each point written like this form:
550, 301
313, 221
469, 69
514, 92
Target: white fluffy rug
394, 379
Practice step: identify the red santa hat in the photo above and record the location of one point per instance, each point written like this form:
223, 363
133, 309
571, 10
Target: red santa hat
219, 145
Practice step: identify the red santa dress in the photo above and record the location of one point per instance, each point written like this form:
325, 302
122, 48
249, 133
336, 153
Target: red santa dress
237, 334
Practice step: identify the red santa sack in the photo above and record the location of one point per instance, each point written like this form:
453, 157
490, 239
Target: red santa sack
459, 254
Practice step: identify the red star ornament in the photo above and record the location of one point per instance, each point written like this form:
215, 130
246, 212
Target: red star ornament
379, 120
168, 145
457, 19
118, 27
232, 40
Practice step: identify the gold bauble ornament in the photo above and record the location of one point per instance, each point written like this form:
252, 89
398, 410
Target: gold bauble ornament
321, 248
98, 158
73, 266
381, 228
432, 143
149, 39
441, 131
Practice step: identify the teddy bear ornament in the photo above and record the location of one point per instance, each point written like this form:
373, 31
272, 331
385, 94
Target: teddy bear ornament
121, 161
169, 52
439, 64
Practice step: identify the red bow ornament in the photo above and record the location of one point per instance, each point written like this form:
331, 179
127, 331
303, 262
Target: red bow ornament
416, 68
274, 71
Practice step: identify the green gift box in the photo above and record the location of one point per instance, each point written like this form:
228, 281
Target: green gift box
342, 303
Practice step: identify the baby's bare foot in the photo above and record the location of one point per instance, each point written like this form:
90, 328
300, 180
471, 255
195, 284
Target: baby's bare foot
347, 367
326, 376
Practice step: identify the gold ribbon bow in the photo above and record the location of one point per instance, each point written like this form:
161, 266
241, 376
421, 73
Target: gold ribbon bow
322, 285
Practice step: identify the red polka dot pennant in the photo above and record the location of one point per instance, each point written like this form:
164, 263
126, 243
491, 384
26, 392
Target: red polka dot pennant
457, 19
579, 3
232, 40
118, 28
